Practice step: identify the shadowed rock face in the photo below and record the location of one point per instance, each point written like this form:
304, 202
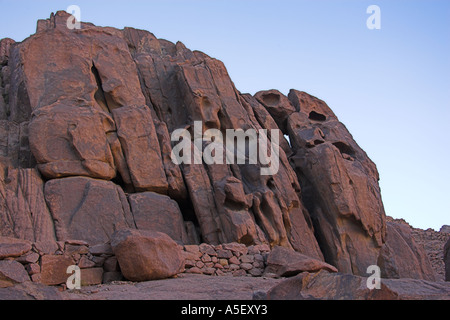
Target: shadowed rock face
87, 117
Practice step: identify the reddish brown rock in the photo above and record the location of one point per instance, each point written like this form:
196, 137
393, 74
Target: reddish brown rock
80, 138
447, 260
109, 114
140, 145
278, 105
11, 273
220, 194
155, 212
285, 263
91, 276
176, 186
5, 46
87, 209
14, 147
23, 209
68, 140
402, 257
339, 184
12, 247
146, 255
54, 269
337, 286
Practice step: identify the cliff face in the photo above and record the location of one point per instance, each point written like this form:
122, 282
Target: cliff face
86, 118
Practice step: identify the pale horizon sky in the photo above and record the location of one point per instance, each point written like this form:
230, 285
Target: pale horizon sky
390, 87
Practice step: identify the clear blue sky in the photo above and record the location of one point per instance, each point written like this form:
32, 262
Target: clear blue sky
390, 87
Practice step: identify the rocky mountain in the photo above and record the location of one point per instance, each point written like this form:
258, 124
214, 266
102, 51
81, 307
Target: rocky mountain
87, 118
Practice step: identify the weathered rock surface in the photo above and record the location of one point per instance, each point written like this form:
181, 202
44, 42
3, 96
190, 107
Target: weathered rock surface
87, 209
146, 255
285, 262
339, 184
401, 257
447, 260
336, 286
12, 247
54, 269
23, 211
11, 273
156, 212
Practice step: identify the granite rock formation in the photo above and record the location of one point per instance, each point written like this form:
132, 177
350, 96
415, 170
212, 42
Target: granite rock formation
85, 142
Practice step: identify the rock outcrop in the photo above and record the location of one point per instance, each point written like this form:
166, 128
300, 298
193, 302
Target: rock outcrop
86, 123
284, 263
335, 286
146, 255
447, 260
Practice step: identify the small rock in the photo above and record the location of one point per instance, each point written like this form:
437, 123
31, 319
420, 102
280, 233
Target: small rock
223, 262
192, 248
247, 258
209, 271
233, 267
100, 249
237, 248
225, 254
30, 257
246, 266
86, 263
71, 249
219, 272
91, 276
206, 258
256, 272
239, 273
208, 249
189, 263
234, 260
194, 270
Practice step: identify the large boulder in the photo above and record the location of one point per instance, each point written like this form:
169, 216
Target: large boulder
87, 209
12, 247
54, 269
156, 212
146, 255
71, 140
286, 262
11, 273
